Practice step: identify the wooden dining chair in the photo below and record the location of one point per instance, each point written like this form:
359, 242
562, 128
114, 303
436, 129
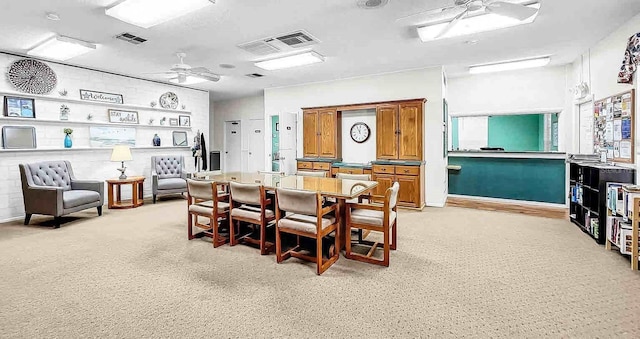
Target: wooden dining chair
248, 203
306, 217
374, 218
204, 200
321, 174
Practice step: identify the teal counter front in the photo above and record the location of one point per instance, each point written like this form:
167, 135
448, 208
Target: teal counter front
518, 176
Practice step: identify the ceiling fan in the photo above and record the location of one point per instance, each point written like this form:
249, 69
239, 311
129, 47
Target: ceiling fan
460, 8
180, 71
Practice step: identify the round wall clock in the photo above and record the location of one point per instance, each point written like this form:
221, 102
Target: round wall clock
32, 76
360, 132
169, 100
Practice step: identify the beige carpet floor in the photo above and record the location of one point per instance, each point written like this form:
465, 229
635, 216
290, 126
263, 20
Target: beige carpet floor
456, 273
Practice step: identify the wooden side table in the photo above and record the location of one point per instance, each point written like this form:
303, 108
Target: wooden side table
136, 192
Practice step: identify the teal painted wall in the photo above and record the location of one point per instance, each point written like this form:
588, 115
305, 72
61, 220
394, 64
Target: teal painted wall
540, 132
515, 133
540, 180
454, 134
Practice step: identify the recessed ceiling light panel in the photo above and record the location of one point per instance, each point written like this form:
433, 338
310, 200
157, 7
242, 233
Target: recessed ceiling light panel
148, 13
289, 61
61, 48
473, 24
510, 65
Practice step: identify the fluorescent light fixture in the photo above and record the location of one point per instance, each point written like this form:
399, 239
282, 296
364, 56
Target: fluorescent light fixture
148, 13
474, 24
189, 81
289, 61
510, 65
61, 48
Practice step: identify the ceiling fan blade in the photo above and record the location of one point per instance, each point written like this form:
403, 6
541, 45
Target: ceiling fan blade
515, 11
161, 73
452, 24
200, 70
208, 76
425, 13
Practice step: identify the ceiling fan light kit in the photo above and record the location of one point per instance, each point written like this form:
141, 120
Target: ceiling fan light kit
148, 13
289, 61
184, 74
494, 16
61, 48
510, 65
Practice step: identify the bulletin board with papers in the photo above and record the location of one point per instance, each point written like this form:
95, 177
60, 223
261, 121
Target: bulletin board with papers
613, 127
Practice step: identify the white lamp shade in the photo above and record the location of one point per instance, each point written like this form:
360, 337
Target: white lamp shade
121, 153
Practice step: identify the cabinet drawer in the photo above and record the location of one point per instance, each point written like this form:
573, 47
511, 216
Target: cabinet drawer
383, 169
305, 165
325, 166
408, 170
350, 170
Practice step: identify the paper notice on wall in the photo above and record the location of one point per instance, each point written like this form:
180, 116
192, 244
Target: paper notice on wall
608, 132
626, 128
617, 130
616, 149
625, 149
610, 153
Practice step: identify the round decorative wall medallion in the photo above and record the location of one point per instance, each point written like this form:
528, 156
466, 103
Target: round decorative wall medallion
360, 132
32, 76
169, 100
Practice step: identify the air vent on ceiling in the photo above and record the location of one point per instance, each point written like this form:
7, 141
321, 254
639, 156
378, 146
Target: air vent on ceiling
130, 38
282, 43
254, 75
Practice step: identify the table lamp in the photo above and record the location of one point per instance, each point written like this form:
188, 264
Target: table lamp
121, 153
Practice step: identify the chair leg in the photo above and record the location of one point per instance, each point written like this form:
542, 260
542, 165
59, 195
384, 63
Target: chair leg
213, 221
347, 241
394, 236
56, 222
385, 261
154, 198
263, 238
319, 254
99, 210
189, 226
27, 217
278, 245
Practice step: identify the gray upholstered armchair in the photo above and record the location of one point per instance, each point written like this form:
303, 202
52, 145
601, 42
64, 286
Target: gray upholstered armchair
51, 188
168, 175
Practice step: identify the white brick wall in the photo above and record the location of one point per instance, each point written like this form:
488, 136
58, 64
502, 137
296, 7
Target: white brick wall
94, 163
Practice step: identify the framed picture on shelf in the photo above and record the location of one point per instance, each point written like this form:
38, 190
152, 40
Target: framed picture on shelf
185, 120
110, 98
19, 107
17, 137
123, 117
180, 138
173, 122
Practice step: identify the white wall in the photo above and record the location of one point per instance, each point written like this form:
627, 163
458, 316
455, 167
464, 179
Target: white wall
243, 110
599, 67
94, 163
422, 83
351, 150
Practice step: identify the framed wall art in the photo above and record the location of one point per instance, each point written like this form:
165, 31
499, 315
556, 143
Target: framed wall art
185, 120
173, 122
19, 107
101, 97
180, 138
123, 117
18, 137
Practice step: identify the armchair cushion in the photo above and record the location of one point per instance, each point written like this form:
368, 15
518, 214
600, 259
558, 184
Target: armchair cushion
172, 183
305, 223
251, 212
52, 173
75, 198
371, 217
168, 166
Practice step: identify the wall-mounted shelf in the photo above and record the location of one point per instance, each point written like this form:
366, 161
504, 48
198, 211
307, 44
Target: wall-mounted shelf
96, 103
90, 149
30, 121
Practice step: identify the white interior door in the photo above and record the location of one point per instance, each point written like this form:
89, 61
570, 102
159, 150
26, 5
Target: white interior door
288, 141
232, 146
256, 146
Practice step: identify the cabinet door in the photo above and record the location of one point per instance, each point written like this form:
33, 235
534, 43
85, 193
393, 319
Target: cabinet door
328, 128
409, 192
310, 133
386, 132
384, 181
410, 127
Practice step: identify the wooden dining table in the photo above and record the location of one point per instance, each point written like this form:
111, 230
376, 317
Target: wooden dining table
339, 189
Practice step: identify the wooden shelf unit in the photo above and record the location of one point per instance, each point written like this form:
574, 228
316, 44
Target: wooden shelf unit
623, 217
31, 121
588, 190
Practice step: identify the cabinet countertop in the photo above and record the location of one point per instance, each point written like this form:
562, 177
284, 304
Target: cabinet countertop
331, 160
398, 162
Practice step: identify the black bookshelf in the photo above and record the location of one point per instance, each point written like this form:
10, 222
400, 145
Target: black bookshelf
588, 196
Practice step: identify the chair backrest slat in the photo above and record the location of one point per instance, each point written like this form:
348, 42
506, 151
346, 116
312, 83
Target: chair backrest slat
296, 201
245, 193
